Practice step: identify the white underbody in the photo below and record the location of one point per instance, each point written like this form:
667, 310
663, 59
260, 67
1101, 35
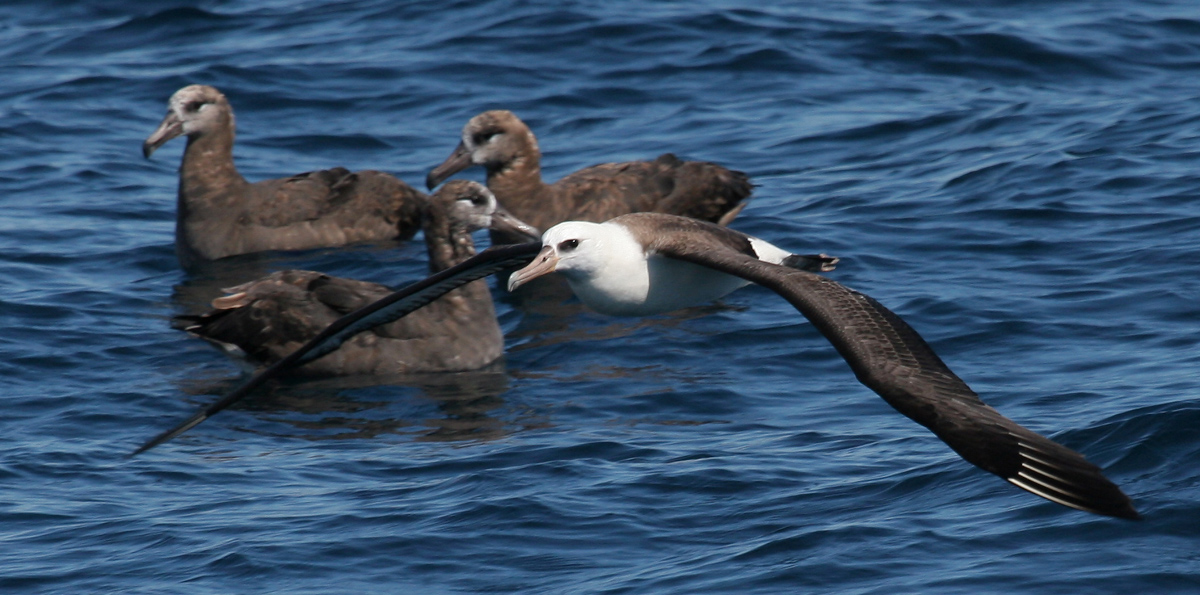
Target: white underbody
658, 285
628, 283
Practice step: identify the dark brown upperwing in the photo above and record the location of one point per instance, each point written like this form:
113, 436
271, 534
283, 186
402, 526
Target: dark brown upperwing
706, 191
890, 358
696, 189
669, 234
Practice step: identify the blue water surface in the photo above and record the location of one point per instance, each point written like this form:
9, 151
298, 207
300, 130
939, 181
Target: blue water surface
1019, 180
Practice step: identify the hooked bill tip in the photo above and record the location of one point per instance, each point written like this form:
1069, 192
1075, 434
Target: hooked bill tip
545, 262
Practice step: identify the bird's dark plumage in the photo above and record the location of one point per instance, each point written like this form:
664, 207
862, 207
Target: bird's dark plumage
890, 358
389, 309
270, 318
221, 214
504, 145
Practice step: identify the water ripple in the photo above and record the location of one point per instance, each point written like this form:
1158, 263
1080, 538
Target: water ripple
1020, 189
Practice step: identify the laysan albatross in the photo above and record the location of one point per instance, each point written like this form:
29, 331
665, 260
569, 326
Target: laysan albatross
648, 263
220, 214
639, 252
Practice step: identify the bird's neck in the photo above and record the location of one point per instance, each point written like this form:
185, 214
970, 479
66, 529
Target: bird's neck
208, 178
518, 186
447, 241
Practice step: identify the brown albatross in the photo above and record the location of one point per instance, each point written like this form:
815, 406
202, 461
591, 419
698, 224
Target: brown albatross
271, 317
646, 262
220, 214
500, 142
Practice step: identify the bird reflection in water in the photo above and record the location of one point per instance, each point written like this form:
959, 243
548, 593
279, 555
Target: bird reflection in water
442, 407
386, 262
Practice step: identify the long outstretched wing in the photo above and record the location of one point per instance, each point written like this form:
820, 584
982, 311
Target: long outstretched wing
388, 309
890, 358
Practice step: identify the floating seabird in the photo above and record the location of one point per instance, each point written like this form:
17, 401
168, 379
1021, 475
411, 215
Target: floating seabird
221, 214
643, 251
504, 145
393, 307
269, 318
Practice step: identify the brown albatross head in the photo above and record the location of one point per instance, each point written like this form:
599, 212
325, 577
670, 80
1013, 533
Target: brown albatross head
192, 110
474, 207
495, 139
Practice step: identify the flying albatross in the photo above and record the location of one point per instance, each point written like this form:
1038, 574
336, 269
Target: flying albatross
500, 142
269, 318
220, 214
641, 253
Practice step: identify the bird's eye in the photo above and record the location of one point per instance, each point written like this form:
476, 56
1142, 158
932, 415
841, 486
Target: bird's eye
478, 200
193, 106
568, 245
483, 136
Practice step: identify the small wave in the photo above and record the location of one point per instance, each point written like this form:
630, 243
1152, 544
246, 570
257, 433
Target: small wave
984, 56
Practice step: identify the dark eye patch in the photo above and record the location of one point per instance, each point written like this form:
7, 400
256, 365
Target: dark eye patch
193, 106
568, 245
485, 135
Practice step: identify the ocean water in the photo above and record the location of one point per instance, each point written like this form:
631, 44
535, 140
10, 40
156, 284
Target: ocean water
1020, 181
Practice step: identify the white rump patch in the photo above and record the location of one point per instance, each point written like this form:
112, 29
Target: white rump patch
768, 252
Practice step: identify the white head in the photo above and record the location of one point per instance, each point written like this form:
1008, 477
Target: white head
604, 264
610, 270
